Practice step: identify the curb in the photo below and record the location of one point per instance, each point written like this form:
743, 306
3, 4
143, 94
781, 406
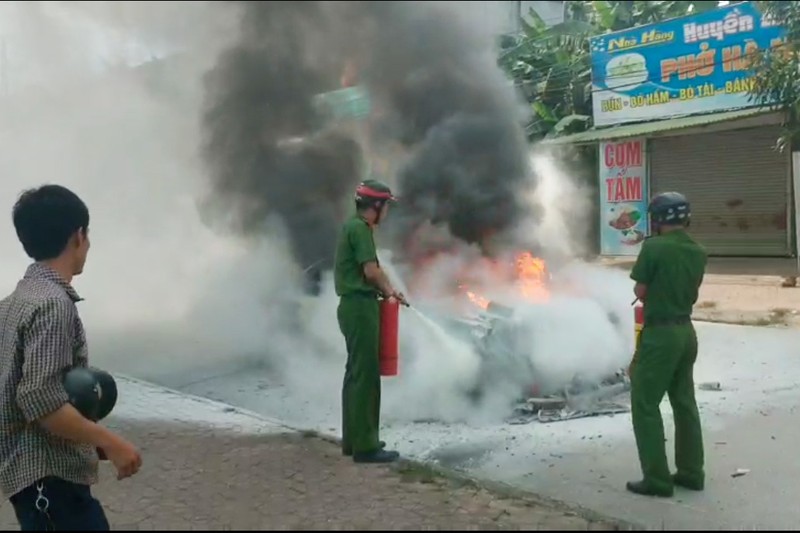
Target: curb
226, 407
503, 490
762, 322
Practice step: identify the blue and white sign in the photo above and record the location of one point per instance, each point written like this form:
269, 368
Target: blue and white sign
684, 66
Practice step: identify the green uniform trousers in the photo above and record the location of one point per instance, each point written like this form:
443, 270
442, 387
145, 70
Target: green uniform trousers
665, 364
359, 322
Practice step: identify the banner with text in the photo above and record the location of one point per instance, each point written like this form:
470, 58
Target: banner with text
690, 65
623, 197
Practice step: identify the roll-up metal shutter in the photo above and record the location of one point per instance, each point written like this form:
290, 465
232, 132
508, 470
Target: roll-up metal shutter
737, 183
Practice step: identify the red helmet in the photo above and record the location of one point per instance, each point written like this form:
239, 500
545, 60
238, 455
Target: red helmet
374, 190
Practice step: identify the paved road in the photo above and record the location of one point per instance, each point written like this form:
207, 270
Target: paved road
208, 467
752, 423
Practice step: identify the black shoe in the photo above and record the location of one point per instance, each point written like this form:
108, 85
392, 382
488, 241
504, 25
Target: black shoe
687, 482
379, 456
642, 488
347, 452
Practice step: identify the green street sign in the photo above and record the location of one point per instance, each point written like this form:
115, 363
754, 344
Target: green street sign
347, 103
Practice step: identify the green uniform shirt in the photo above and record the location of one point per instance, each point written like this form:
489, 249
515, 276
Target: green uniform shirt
355, 248
672, 267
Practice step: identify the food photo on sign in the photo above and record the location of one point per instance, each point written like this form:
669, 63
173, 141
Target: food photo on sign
623, 197
626, 72
626, 219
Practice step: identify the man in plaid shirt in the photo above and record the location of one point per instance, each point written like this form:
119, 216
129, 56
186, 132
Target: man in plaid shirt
48, 457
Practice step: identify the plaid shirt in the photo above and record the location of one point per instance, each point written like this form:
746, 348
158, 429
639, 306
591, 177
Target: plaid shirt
41, 337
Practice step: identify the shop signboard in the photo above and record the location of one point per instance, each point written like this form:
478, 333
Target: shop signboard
350, 108
684, 66
345, 103
623, 197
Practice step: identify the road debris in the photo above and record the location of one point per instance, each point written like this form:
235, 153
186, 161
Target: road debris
580, 400
710, 386
741, 472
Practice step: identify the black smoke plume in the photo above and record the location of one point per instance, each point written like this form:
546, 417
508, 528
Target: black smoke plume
444, 130
456, 115
267, 153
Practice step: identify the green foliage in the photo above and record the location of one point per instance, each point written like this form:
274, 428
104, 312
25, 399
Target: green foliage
778, 70
551, 66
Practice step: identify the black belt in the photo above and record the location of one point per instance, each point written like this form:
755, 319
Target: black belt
674, 321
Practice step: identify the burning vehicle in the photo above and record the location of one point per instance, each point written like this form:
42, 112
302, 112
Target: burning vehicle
478, 301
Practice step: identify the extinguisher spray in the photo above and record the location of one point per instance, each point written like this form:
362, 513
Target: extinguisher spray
638, 324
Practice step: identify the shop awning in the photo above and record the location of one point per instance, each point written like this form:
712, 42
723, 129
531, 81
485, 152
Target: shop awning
644, 129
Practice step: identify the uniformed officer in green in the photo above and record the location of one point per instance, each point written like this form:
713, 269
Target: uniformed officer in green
668, 274
359, 281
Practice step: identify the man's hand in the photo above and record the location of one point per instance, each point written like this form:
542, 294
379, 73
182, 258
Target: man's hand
377, 277
124, 455
67, 423
640, 291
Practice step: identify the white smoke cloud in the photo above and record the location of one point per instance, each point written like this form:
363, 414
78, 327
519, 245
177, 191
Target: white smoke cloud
127, 142
583, 329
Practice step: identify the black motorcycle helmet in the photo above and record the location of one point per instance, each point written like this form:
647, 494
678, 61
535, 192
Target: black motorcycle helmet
670, 208
91, 391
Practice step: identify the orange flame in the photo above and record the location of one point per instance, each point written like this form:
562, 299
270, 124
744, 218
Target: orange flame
531, 277
478, 300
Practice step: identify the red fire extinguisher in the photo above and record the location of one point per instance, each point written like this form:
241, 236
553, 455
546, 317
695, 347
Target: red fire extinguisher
389, 341
638, 324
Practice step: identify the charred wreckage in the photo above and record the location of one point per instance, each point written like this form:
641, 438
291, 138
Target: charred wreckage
505, 363
502, 342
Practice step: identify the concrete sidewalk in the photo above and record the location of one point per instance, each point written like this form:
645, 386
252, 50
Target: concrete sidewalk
743, 291
208, 466
748, 301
